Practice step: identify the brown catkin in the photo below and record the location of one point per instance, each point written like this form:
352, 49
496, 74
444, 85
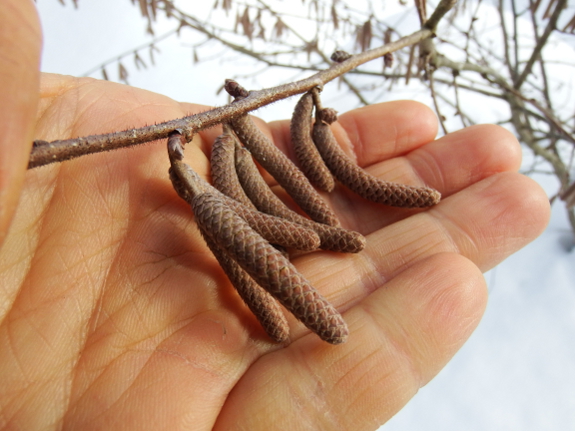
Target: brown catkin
259, 301
310, 161
283, 170
359, 181
223, 170
276, 230
332, 237
269, 268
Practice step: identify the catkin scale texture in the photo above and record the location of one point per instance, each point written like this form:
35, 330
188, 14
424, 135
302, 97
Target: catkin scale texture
309, 159
275, 229
364, 184
278, 230
283, 170
259, 301
332, 237
224, 177
269, 268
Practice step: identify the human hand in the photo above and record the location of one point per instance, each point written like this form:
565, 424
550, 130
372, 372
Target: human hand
115, 315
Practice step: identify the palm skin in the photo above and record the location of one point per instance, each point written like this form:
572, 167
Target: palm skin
114, 315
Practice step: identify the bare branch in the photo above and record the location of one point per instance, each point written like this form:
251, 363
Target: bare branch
61, 150
551, 25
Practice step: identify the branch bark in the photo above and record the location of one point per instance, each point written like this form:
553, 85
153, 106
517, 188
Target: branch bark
44, 153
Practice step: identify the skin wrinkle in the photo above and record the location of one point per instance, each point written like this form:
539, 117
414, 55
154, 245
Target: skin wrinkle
354, 142
443, 306
308, 416
423, 160
81, 261
401, 350
387, 338
12, 351
311, 374
105, 368
121, 252
135, 298
141, 305
106, 409
372, 282
360, 398
247, 360
8, 59
398, 257
486, 187
133, 232
49, 94
81, 88
414, 253
432, 303
15, 413
20, 38
317, 389
72, 111
343, 359
362, 265
21, 259
444, 300
36, 381
440, 217
95, 314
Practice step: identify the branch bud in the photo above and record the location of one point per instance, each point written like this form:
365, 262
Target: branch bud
327, 115
340, 56
235, 90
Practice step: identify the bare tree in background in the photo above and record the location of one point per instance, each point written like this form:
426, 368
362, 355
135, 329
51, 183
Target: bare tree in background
514, 54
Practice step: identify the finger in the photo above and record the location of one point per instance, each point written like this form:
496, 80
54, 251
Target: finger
386, 130
401, 336
448, 164
20, 44
485, 223
457, 160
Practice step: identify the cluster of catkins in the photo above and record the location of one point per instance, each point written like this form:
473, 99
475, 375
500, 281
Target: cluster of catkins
248, 228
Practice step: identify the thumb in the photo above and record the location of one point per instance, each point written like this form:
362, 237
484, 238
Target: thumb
20, 46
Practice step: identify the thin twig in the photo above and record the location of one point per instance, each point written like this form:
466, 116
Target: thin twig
551, 25
57, 151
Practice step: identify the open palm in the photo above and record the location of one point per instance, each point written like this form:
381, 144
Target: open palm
114, 315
